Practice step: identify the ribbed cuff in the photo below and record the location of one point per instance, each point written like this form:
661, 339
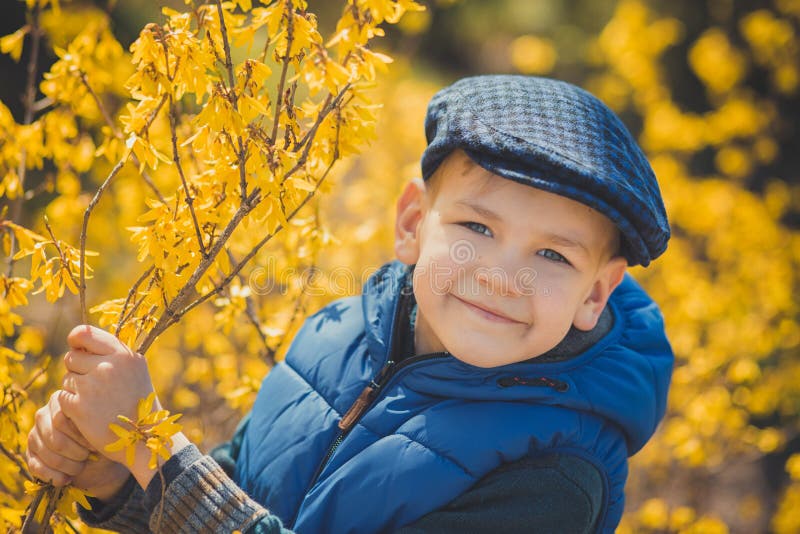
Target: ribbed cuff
199, 497
171, 469
124, 512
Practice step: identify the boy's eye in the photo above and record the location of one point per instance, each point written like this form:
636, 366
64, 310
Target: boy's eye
551, 254
478, 228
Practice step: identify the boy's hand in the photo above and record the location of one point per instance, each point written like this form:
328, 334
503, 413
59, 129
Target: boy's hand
105, 379
57, 453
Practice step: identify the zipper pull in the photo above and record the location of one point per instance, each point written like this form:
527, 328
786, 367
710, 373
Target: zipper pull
358, 408
364, 399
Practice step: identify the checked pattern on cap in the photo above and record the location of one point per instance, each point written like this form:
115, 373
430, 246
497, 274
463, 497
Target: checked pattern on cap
555, 136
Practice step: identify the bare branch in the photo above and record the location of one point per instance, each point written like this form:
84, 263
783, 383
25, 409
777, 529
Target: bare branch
250, 311
174, 311
227, 48
88, 212
185, 292
309, 137
14, 457
118, 135
61, 255
41, 105
31, 525
134, 288
250, 255
284, 70
173, 119
27, 104
14, 394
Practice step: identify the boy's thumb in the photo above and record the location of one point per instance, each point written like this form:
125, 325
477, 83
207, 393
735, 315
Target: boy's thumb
92, 339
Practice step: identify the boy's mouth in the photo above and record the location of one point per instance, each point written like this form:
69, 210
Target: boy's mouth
489, 313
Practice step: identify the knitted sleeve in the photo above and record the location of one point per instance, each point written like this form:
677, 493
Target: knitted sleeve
199, 498
124, 512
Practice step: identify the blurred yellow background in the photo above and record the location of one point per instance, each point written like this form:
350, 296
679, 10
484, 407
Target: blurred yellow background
710, 89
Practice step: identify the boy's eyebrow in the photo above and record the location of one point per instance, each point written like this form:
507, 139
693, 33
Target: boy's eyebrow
554, 238
480, 210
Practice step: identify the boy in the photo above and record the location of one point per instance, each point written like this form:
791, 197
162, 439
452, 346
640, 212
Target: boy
495, 378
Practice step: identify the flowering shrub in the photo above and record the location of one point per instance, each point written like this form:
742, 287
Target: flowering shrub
207, 158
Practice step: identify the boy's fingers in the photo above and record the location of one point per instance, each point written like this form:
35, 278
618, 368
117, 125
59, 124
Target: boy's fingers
92, 339
69, 384
41, 471
68, 402
80, 362
54, 459
62, 423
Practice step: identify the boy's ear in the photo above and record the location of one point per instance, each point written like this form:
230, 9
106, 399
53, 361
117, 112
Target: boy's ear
409, 214
608, 278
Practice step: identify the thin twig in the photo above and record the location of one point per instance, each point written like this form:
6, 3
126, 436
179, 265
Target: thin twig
30, 525
242, 155
141, 325
227, 48
185, 292
54, 496
27, 103
70, 525
100, 105
267, 42
140, 301
234, 100
88, 212
130, 296
17, 461
249, 309
309, 137
42, 104
50, 494
61, 255
235, 271
14, 394
118, 134
284, 70
175, 309
176, 157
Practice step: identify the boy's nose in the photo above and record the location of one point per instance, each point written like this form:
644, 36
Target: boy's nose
496, 280
508, 275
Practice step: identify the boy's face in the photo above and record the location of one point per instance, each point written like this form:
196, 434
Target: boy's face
502, 269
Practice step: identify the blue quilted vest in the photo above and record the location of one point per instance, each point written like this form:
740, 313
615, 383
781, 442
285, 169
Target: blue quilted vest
340, 441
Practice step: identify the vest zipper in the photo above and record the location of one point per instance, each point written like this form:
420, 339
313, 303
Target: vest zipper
365, 399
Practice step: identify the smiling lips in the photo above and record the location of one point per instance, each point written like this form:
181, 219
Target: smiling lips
488, 313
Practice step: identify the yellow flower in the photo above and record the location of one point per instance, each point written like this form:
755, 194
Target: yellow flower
12, 44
